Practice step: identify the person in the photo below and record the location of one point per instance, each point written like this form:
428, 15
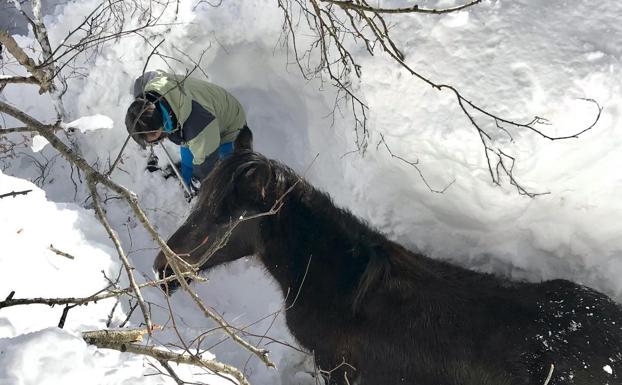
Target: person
206, 121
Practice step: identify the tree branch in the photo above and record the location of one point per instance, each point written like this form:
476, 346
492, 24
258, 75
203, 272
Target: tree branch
349, 4
117, 244
121, 340
18, 80
18, 53
14, 193
99, 296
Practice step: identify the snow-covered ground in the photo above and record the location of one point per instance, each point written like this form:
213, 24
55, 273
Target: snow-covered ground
517, 58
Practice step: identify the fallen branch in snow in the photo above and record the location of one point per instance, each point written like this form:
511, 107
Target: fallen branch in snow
14, 193
113, 336
10, 301
61, 253
123, 341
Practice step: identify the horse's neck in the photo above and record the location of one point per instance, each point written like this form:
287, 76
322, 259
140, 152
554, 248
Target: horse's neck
311, 245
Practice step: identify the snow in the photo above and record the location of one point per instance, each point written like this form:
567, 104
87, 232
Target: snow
90, 123
518, 59
38, 143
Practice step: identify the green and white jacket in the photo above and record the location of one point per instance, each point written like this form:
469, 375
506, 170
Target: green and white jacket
206, 114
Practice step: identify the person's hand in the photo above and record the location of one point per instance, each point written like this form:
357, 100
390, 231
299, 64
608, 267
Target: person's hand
194, 187
189, 196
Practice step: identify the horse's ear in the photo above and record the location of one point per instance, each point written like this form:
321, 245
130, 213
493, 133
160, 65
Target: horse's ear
244, 140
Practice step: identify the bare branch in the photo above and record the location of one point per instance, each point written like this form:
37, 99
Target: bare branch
415, 165
63, 317
14, 193
171, 372
113, 336
115, 339
61, 253
18, 80
117, 244
349, 4
18, 53
99, 296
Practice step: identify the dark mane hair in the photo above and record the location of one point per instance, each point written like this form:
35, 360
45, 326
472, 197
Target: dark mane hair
227, 179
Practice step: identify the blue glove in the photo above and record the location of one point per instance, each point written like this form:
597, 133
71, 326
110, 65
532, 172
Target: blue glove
186, 165
225, 150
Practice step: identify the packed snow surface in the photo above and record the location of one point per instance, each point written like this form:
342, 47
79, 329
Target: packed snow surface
517, 59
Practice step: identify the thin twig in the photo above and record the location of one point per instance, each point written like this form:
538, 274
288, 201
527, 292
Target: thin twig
171, 372
101, 295
61, 253
63, 317
14, 193
126, 263
349, 4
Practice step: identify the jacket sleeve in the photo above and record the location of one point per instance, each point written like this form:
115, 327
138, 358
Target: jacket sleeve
186, 165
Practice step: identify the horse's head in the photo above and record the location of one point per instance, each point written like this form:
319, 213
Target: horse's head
225, 223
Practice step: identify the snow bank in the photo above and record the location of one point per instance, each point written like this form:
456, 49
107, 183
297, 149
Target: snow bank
53, 356
32, 350
32, 228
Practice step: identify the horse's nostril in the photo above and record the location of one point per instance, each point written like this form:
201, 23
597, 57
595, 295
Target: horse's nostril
169, 286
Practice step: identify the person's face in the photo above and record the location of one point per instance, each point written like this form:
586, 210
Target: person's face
154, 136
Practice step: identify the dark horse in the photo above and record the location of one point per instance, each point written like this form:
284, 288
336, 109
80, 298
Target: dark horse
391, 315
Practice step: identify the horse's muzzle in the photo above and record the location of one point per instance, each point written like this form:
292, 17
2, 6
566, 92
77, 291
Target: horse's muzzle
169, 286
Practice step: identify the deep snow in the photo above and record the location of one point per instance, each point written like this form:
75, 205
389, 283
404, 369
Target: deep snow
517, 58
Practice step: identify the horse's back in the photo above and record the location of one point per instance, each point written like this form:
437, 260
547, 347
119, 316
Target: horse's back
580, 334
485, 330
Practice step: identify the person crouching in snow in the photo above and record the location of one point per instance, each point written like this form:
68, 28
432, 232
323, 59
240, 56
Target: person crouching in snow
205, 120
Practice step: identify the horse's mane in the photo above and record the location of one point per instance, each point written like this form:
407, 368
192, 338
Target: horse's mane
374, 254
222, 182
